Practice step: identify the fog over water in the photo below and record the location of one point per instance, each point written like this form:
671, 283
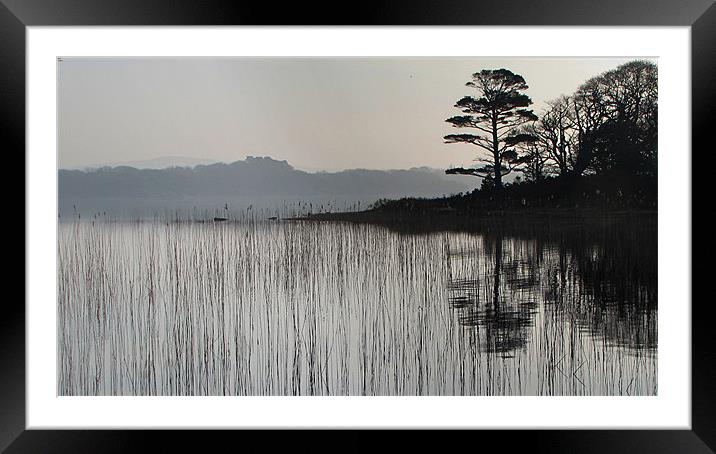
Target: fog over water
259, 184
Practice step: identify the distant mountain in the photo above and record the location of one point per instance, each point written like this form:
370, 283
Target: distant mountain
163, 162
253, 177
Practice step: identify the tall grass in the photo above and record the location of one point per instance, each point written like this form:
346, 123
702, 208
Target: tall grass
302, 308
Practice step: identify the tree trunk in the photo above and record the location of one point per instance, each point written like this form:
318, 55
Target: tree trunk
496, 154
498, 173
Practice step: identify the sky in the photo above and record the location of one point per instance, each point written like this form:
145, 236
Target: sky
316, 113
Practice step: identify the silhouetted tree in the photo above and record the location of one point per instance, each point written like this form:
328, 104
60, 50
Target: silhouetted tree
556, 133
533, 154
496, 112
616, 116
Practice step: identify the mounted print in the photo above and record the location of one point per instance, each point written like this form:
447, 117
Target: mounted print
357, 226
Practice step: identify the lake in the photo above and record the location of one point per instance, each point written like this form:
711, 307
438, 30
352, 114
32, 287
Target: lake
331, 308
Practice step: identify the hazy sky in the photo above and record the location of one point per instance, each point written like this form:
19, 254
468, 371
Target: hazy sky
316, 113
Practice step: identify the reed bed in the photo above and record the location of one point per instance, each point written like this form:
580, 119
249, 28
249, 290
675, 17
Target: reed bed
256, 307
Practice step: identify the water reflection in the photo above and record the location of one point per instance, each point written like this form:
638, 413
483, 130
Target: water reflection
604, 284
281, 308
504, 324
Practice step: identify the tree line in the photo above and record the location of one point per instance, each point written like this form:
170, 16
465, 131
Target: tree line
607, 127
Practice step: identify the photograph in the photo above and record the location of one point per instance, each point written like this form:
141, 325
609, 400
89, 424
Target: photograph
383, 224
357, 226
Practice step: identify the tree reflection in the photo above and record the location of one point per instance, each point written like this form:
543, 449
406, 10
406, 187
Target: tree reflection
503, 324
604, 284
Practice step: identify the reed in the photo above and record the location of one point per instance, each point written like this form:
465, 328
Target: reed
179, 306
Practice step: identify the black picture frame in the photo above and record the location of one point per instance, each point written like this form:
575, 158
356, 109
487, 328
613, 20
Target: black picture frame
700, 15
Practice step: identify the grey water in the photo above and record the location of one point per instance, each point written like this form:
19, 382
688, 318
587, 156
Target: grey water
327, 308
149, 208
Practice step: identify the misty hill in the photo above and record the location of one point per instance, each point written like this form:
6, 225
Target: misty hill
162, 162
254, 177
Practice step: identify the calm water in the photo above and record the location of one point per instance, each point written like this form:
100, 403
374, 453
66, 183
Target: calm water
290, 308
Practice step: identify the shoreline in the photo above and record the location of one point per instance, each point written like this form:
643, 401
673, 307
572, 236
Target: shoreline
428, 215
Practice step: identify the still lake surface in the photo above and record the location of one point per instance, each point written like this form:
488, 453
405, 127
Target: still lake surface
309, 308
